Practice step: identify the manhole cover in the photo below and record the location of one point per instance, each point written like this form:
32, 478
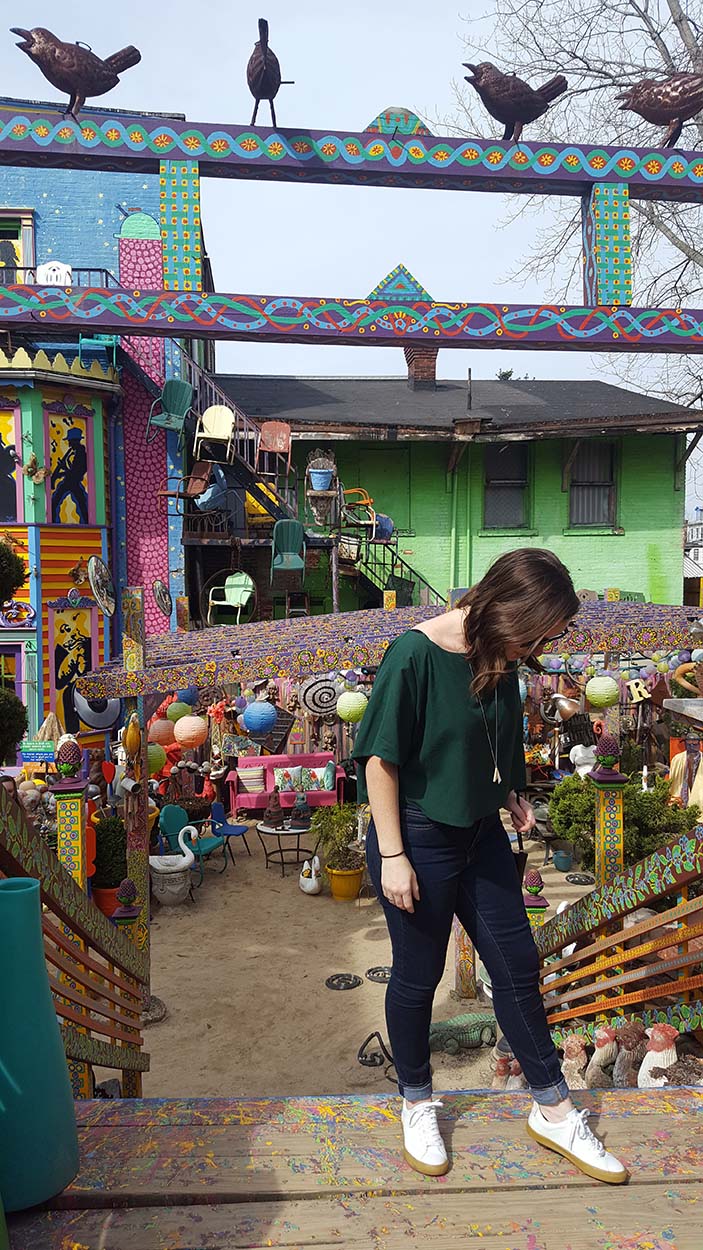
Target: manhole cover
580, 878
343, 981
382, 974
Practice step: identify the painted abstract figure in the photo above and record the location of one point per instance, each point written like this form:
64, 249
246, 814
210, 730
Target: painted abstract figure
73, 656
69, 478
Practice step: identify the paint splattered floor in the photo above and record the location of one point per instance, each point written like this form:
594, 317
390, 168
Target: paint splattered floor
243, 972
228, 1174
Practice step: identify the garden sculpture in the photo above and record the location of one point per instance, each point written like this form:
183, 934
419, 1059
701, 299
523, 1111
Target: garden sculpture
465, 1032
263, 72
661, 1054
669, 103
574, 1062
632, 1047
74, 67
517, 1079
502, 1072
511, 100
599, 1073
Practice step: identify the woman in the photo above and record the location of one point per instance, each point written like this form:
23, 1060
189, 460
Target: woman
440, 751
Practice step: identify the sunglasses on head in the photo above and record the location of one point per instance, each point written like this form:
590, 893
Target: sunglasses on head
535, 650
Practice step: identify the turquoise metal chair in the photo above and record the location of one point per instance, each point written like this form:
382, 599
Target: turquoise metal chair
172, 819
223, 829
108, 342
174, 405
288, 549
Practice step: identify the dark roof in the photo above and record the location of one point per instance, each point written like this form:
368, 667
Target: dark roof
524, 408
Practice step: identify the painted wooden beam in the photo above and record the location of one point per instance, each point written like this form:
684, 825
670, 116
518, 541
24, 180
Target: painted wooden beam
36, 135
362, 322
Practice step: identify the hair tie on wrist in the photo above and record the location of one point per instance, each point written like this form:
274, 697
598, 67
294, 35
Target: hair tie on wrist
392, 856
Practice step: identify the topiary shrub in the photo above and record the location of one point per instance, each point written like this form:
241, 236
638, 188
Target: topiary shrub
13, 725
110, 853
648, 817
13, 572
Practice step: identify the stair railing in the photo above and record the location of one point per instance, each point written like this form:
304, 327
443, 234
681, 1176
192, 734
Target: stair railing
381, 565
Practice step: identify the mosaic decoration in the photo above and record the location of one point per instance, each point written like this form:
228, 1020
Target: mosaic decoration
179, 194
71, 853
133, 627
277, 318
667, 868
322, 644
607, 275
400, 284
393, 121
371, 158
81, 1047
610, 833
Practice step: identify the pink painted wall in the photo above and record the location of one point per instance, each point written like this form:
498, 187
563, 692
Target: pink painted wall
141, 267
145, 475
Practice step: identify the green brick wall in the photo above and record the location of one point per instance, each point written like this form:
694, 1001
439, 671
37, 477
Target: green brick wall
409, 481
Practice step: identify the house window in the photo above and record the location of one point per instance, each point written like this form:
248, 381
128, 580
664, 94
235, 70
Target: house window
505, 488
592, 485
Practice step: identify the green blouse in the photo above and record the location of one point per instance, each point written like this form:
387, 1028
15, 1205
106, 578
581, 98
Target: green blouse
423, 717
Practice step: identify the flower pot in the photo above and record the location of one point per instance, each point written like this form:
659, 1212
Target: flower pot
39, 1141
106, 900
171, 888
563, 861
345, 883
321, 479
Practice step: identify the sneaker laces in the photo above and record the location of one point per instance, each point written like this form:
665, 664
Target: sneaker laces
424, 1117
585, 1133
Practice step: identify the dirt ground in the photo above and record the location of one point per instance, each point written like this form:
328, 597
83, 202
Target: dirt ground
242, 972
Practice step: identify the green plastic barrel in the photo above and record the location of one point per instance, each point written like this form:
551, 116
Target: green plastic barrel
38, 1137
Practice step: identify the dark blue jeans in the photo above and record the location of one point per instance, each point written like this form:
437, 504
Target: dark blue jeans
469, 873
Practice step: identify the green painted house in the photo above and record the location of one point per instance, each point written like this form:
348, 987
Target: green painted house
466, 471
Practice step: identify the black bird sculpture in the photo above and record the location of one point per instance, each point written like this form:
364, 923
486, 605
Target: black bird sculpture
73, 67
511, 100
669, 103
263, 72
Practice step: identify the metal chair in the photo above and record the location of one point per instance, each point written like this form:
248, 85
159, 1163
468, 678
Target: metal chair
189, 487
288, 548
274, 437
174, 405
108, 342
172, 819
215, 425
223, 829
54, 273
236, 594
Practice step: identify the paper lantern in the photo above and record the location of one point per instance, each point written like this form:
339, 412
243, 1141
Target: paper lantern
351, 706
602, 692
156, 757
260, 717
161, 731
189, 696
176, 710
191, 731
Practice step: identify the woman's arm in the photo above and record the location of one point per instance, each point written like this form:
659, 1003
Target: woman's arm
398, 879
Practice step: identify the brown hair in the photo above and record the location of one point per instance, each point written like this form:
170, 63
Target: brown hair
524, 594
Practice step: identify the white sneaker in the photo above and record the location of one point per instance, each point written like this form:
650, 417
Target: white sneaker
423, 1147
573, 1139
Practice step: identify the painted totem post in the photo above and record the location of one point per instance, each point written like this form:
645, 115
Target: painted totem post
609, 832
464, 962
71, 853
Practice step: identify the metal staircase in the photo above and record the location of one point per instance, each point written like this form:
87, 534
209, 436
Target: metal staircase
380, 564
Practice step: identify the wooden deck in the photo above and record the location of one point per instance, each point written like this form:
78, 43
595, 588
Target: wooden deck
222, 1174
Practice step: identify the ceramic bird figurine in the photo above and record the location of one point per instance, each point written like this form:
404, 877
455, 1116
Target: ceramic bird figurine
74, 67
263, 72
661, 1054
669, 103
502, 1072
511, 100
132, 737
632, 1047
600, 1067
310, 880
574, 1062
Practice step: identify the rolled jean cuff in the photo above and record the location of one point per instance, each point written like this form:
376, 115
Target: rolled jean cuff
551, 1095
416, 1093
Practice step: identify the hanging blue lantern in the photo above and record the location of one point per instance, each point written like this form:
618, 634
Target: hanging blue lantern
259, 717
189, 696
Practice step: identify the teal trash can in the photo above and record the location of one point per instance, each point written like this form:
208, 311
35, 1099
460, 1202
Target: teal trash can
38, 1136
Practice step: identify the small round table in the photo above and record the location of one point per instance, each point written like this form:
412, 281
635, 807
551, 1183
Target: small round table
278, 855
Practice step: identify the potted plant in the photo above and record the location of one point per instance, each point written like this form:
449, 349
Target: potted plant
110, 862
335, 828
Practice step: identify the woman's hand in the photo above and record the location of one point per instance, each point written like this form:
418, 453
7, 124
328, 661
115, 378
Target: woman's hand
399, 883
521, 813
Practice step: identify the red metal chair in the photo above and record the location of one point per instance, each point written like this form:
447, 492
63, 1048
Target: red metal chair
274, 436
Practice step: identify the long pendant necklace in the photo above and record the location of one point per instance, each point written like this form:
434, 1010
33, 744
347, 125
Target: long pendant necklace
497, 779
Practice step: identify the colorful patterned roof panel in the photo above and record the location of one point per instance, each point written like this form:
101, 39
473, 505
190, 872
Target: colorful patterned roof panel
397, 121
400, 285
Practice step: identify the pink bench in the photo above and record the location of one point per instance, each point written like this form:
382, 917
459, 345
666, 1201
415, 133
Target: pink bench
241, 801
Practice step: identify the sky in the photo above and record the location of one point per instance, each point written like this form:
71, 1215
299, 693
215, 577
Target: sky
348, 62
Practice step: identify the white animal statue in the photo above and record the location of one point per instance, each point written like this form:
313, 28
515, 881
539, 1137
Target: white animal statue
170, 874
310, 880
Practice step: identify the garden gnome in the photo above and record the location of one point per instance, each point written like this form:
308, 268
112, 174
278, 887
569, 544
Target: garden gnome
600, 1067
661, 1054
686, 775
574, 1062
273, 816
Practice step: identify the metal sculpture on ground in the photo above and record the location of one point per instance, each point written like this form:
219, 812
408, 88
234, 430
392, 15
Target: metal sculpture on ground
74, 67
510, 99
669, 103
263, 72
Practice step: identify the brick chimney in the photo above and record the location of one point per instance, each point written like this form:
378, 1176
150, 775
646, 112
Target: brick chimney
422, 367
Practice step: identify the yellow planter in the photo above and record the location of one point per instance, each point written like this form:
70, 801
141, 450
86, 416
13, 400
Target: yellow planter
345, 883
